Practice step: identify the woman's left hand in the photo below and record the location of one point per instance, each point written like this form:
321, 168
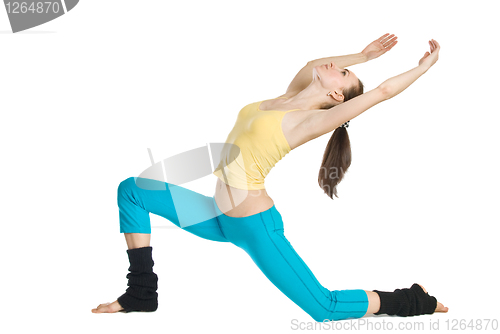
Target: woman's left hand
431, 58
380, 46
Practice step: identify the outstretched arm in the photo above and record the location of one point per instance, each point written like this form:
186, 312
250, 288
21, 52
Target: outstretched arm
324, 121
375, 49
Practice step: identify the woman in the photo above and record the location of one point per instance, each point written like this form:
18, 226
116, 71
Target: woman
322, 97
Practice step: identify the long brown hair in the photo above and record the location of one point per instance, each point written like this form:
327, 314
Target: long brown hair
337, 156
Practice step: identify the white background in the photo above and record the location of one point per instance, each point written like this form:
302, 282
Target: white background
85, 95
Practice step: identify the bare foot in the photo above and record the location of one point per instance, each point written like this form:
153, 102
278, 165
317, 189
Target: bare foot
108, 308
439, 307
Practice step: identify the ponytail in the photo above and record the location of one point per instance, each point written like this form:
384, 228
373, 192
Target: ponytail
337, 155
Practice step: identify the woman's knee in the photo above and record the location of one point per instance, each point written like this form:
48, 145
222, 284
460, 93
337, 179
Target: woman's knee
126, 184
341, 305
125, 188
347, 304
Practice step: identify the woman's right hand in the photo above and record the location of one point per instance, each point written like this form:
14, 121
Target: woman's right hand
431, 58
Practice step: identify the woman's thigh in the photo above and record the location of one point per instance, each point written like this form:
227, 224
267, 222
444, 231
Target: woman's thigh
187, 209
262, 237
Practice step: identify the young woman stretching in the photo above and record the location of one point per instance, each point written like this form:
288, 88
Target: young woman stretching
322, 97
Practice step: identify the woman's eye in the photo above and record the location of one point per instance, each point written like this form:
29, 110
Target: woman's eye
344, 72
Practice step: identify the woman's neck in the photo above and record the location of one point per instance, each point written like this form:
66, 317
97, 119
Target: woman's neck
307, 99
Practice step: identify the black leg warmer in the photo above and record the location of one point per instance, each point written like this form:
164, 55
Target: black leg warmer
406, 302
142, 284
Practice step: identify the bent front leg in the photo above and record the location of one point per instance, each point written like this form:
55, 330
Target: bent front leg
188, 210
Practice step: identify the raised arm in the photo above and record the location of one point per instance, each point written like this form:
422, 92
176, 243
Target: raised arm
375, 49
320, 121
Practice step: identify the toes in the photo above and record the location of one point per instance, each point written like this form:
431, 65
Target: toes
441, 308
101, 308
108, 308
423, 288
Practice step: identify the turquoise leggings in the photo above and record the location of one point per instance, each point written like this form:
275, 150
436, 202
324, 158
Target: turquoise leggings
260, 235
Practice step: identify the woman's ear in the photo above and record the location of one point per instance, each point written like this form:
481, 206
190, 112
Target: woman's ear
336, 95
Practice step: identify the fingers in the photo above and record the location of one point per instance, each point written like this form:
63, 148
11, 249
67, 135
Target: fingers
388, 41
384, 38
390, 46
387, 38
434, 45
381, 38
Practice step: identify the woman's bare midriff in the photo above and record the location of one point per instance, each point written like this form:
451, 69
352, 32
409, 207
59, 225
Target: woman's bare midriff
234, 202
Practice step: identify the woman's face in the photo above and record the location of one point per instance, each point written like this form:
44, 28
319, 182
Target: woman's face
333, 78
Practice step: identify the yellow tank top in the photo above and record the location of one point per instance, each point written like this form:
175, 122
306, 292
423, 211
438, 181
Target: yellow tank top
258, 143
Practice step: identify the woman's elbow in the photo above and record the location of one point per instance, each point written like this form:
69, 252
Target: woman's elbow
385, 91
